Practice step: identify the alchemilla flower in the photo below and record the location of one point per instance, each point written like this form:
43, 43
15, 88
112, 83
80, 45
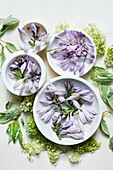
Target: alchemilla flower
73, 51
66, 109
35, 38
26, 74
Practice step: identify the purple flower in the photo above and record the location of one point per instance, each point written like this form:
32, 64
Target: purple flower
87, 99
34, 29
46, 117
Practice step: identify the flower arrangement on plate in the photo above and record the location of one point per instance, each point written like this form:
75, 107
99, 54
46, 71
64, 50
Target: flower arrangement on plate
67, 110
71, 52
33, 36
23, 73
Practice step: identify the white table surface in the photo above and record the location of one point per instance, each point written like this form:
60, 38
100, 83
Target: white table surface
78, 13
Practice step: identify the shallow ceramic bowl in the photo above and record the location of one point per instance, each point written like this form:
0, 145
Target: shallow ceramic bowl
55, 64
9, 82
23, 40
90, 128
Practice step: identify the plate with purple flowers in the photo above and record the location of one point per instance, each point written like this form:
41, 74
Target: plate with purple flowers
67, 110
71, 52
23, 73
33, 36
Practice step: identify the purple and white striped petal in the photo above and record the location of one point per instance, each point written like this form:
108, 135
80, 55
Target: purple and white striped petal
82, 117
22, 31
23, 67
34, 29
18, 83
47, 116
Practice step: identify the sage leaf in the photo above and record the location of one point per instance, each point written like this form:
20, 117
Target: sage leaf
6, 22
11, 47
102, 72
110, 97
111, 143
104, 127
103, 92
9, 131
102, 80
8, 104
15, 130
10, 115
20, 138
2, 56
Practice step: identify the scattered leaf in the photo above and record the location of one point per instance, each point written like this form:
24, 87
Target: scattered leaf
11, 47
110, 97
15, 130
104, 127
102, 72
8, 104
111, 143
11, 115
103, 92
6, 22
9, 132
2, 56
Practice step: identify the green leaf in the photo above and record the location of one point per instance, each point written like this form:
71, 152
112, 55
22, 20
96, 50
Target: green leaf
11, 115
103, 92
11, 47
15, 130
103, 80
9, 132
6, 22
104, 127
2, 56
8, 104
102, 72
111, 143
20, 138
110, 97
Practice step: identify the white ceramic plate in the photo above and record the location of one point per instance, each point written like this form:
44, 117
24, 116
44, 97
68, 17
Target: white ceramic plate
9, 82
55, 64
90, 128
23, 40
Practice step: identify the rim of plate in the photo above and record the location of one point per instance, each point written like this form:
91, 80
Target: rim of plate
58, 70
14, 55
87, 84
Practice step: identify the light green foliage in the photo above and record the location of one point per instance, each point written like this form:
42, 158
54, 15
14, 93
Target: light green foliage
11, 47
32, 148
75, 157
98, 37
104, 126
27, 104
5, 23
61, 26
2, 55
10, 115
31, 128
109, 57
111, 143
91, 145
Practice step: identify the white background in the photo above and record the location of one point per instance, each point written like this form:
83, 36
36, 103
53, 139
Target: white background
78, 13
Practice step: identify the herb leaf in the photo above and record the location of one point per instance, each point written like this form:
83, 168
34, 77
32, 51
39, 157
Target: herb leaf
102, 80
111, 143
6, 22
20, 138
11, 47
110, 97
13, 114
9, 132
8, 104
102, 72
104, 127
15, 129
103, 92
2, 56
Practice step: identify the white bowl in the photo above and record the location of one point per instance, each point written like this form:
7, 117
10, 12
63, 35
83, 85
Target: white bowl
23, 39
90, 128
55, 64
9, 82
